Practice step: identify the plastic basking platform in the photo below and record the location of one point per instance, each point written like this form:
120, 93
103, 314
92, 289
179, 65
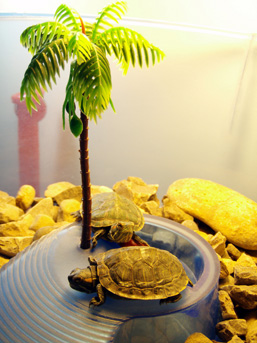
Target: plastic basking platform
38, 305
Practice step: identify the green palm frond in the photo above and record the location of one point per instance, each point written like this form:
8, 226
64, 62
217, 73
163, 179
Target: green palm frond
129, 46
90, 85
68, 17
42, 70
36, 36
79, 46
108, 17
93, 95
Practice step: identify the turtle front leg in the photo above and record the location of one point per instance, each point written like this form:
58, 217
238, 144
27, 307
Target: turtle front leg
97, 235
100, 299
139, 240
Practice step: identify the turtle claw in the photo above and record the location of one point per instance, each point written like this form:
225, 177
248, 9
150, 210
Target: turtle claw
95, 302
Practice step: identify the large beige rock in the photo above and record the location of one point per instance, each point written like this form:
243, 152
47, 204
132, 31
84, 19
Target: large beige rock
25, 196
221, 208
9, 213
10, 246
17, 229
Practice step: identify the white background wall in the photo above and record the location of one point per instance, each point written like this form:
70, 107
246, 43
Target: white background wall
193, 115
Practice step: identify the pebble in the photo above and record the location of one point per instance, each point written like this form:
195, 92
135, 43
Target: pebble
25, 197
231, 327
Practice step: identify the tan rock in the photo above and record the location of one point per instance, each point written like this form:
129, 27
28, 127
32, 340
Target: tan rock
47, 229
135, 189
41, 220
3, 260
69, 193
229, 328
252, 254
8, 200
226, 287
226, 306
245, 275
245, 260
56, 188
245, 296
221, 208
43, 231
44, 206
198, 337
99, 189
173, 212
233, 252
17, 229
228, 281
9, 213
55, 211
10, 246
205, 235
218, 243
224, 272
25, 196
67, 209
235, 339
229, 264
251, 335
151, 207
3, 194
190, 224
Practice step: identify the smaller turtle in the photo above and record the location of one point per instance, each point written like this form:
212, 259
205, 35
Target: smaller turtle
115, 218
144, 273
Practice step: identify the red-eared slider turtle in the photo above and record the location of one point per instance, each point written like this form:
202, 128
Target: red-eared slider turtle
115, 218
132, 272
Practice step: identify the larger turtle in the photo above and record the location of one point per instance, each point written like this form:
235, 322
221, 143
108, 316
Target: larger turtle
115, 218
132, 272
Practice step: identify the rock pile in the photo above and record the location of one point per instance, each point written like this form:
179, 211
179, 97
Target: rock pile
192, 203
25, 218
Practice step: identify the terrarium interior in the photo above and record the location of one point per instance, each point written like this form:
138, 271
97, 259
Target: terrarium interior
193, 115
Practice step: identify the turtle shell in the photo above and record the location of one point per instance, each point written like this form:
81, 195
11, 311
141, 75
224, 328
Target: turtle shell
109, 208
141, 273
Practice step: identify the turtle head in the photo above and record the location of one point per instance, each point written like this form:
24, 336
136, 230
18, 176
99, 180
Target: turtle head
82, 280
121, 232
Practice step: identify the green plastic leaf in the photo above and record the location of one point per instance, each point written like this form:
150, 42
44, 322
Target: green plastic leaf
108, 17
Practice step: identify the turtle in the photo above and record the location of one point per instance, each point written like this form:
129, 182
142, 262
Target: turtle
115, 218
143, 273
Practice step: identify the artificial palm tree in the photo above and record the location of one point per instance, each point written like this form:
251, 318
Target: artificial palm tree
89, 86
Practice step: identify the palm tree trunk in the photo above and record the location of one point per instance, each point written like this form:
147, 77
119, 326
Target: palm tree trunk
85, 183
